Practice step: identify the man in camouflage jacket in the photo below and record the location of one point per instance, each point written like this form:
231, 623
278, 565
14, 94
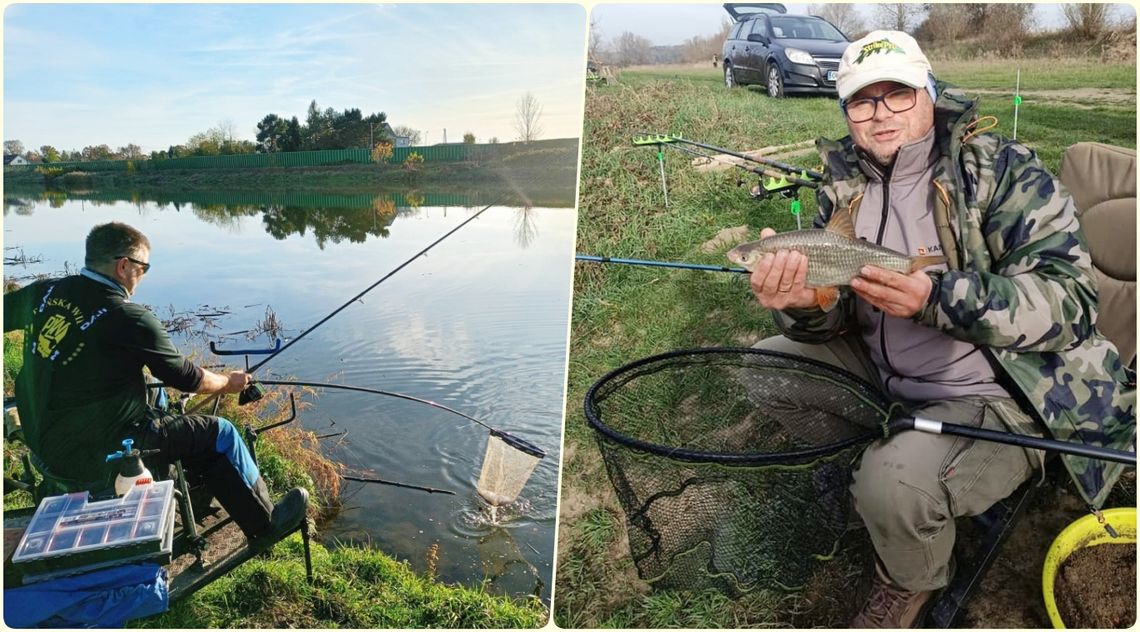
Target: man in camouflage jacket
1001, 336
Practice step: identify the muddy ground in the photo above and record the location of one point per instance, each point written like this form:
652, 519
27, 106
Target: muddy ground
1010, 595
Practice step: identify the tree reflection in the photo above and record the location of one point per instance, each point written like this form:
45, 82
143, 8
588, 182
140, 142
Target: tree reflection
526, 230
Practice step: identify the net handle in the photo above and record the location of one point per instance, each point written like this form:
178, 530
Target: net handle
793, 457
522, 445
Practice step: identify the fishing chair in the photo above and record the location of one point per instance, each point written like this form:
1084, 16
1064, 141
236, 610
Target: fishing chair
1102, 180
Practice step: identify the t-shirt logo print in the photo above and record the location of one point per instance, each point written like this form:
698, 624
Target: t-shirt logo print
54, 329
878, 46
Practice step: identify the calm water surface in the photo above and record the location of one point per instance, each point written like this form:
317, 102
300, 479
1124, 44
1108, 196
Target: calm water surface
479, 325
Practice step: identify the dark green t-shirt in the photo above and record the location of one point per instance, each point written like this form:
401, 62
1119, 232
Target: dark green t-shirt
82, 388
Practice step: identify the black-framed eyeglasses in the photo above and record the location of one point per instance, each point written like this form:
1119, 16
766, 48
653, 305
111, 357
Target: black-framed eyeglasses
145, 266
863, 110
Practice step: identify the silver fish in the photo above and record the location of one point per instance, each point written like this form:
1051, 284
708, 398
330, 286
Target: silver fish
834, 255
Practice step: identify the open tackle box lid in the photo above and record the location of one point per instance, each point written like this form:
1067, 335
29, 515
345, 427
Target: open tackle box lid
69, 534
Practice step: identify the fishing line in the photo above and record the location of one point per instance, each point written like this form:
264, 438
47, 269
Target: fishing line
373, 286
253, 394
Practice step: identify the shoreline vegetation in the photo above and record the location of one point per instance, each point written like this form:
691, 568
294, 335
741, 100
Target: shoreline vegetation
545, 175
353, 586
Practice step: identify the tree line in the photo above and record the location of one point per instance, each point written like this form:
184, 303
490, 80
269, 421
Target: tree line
321, 129
1002, 28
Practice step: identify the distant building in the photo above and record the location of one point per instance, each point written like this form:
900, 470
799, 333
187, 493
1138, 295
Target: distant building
399, 141
14, 159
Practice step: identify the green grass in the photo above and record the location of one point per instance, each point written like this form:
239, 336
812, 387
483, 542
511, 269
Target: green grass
623, 313
352, 588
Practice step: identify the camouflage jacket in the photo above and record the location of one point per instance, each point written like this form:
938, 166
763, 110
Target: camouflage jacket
1020, 283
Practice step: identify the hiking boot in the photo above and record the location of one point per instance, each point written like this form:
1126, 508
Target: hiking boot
287, 516
891, 606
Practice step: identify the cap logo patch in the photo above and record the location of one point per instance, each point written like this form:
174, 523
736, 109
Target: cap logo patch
879, 46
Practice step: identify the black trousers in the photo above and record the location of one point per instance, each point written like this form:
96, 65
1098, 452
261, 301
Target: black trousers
212, 449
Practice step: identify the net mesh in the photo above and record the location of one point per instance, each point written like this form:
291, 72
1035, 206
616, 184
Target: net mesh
732, 465
505, 471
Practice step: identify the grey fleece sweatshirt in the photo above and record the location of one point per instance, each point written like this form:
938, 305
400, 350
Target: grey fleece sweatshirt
916, 362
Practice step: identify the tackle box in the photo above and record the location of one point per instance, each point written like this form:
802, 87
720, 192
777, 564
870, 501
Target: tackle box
70, 534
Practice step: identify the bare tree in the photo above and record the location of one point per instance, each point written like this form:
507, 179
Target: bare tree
227, 129
528, 111
1086, 19
632, 49
413, 135
844, 17
595, 44
131, 151
946, 22
700, 48
898, 16
1007, 25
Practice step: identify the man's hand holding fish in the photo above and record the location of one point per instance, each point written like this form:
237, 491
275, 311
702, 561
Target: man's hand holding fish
900, 295
779, 279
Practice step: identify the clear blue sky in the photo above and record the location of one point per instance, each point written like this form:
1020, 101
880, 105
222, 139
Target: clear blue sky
154, 74
668, 24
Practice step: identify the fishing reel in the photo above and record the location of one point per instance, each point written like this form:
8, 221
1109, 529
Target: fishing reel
252, 393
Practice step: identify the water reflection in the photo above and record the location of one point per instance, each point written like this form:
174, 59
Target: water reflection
478, 326
328, 217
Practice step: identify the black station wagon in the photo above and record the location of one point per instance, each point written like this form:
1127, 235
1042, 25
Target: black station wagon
785, 53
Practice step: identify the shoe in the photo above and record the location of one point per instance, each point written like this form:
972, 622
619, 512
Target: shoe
891, 606
287, 516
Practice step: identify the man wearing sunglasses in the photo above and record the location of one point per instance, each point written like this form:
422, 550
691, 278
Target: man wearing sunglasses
1002, 336
82, 390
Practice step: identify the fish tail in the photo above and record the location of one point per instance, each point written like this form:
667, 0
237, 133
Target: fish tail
918, 263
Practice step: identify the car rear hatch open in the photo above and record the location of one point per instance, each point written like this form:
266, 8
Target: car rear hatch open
744, 10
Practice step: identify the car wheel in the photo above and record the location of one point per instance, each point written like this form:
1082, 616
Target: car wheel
775, 82
729, 80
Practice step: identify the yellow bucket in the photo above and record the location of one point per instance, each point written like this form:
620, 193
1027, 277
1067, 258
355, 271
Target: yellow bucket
1082, 533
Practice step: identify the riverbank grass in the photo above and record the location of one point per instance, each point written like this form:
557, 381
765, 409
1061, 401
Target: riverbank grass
352, 588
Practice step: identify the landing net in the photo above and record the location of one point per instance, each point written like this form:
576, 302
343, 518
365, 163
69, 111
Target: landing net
732, 465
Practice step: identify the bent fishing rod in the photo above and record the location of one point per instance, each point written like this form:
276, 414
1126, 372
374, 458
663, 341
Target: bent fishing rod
512, 440
252, 393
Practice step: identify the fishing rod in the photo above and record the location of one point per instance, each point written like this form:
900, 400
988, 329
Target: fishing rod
253, 393
775, 184
660, 264
373, 286
797, 175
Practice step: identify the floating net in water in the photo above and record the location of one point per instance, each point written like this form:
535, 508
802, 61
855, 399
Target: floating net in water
507, 464
733, 465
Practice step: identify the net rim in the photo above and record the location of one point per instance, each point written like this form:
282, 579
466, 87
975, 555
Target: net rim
733, 459
520, 444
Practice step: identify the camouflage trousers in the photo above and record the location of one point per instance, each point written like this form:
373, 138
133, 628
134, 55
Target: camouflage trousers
909, 488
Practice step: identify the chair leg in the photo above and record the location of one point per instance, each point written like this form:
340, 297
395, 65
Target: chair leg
308, 553
186, 509
998, 523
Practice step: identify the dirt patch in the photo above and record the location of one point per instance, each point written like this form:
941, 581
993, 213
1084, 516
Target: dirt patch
1086, 97
726, 238
1096, 587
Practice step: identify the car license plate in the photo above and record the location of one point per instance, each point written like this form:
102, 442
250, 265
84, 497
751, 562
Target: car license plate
831, 75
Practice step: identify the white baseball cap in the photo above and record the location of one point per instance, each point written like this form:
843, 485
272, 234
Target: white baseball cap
881, 56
